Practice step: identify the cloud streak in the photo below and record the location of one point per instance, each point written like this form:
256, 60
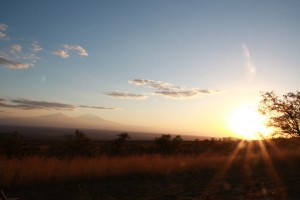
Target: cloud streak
36, 47
15, 48
98, 107
68, 49
61, 53
164, 89
14, 64
183, 93
151, 84
15, 56
81, 51
251, 70
26, 104
126, 95
3, 28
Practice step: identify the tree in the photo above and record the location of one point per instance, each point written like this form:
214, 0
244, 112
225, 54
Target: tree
75, 145
283, 113
82, 145
166, 145
117, 145
13, 145
176, 143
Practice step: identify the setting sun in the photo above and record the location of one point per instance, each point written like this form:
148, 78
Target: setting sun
247, 123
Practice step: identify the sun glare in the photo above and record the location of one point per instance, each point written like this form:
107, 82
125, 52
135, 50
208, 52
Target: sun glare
247, 123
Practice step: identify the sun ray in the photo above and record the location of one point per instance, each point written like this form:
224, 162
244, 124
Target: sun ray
273, 175
219, 176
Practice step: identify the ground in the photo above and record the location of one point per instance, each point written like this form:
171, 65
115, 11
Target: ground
244, 176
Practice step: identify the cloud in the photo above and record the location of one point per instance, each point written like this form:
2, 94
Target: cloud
3, 28
17, 56
16, 52
126, 95
32, 57
98, 107
251, 70
81, 51
164, 89
26, 104
67, 49
179, 94
151, 84
61, 53
186, 93
38, 105
211, 91
35, 47
15, 48
14, 64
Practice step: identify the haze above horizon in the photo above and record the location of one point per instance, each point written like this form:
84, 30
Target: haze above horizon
171, 66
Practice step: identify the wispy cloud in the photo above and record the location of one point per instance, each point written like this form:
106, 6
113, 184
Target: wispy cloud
14, 64
98, 107
169, 90
164, 89
3, 28
184, 93
81, 51
151, 83
15, 48
36, 47
67, 49
14, 55
26, 104
178, 94
43, 105
251, 70
61, 53
126, 95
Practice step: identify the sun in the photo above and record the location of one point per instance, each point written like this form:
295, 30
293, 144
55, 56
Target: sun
247, 123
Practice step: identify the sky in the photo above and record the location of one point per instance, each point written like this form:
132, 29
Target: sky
171, 66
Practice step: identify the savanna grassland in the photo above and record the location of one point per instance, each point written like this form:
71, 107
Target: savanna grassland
165, 168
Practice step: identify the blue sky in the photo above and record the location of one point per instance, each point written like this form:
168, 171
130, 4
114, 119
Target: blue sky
178, 66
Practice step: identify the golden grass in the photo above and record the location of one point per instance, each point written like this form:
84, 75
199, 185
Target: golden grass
37, 169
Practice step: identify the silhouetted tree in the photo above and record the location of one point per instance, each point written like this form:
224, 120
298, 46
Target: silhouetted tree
118, 145
83, 145
196, 146
75, 145
166, 145
176, 144
283, 113
13, 145
163, 143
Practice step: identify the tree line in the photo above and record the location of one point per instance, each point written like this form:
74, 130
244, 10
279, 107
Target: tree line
80, 145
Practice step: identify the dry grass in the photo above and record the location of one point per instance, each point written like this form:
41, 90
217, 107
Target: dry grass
36, 169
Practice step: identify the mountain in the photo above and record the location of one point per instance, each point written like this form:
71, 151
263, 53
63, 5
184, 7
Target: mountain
95, 127
64, 121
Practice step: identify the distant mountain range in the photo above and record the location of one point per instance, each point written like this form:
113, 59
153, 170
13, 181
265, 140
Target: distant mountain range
56, 125
64, 121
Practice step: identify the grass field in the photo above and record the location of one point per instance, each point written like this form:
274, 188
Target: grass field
270, 173
35, 169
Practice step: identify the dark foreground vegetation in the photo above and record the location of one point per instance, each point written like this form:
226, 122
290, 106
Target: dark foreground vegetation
167, 167
79, 145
